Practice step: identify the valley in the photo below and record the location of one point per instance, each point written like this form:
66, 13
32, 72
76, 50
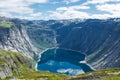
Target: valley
94, 42
54, 60
97, 39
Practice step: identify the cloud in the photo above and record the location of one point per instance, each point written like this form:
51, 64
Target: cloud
22, 9
113, 9
37, 1
5, 14
106, 11
99, 1
32, 16
62, 9
70, 1
36, 14
14, 6
77, 7
67, 14
19, 8
100, 16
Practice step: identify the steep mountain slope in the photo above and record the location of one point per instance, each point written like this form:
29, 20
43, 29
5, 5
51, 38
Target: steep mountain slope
14, 37
41, 35
98, 39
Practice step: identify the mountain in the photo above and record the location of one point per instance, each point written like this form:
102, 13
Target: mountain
13, 36
98, 39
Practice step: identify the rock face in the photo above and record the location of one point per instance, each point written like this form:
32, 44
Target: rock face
12, 63
15, 38
41, 35
98, 39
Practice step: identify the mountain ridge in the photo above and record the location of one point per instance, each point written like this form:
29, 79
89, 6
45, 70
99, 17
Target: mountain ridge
92, 37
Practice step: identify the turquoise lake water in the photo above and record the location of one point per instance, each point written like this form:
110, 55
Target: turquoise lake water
63, 61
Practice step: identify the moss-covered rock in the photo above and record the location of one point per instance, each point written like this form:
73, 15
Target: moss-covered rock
11, 63
5, 24
14, 65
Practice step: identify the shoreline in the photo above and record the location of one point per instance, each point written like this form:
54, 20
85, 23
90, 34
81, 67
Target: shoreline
89, 65
73, 50
40, 56
84, 61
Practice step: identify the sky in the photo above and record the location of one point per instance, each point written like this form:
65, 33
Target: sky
60, 9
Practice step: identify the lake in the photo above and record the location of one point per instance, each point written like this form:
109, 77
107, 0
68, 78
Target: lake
63, 61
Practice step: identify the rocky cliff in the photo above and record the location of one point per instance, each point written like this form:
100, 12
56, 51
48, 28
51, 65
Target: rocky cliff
14, 37
12, 63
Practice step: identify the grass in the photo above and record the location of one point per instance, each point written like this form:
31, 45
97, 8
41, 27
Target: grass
5, 24
108, 74
4, 54
23, 71
43, 75
27, 73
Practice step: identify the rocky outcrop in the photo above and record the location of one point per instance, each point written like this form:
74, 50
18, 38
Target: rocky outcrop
12, 63
14, 66
15, 38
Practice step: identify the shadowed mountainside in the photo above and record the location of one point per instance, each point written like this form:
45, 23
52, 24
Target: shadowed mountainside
98, 39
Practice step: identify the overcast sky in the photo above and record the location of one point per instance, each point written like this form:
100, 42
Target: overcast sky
60, 9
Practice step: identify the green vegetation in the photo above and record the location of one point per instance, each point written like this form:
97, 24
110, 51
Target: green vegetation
41, 38
28, 73
110, 74
5, 24
21, 67
42, 75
